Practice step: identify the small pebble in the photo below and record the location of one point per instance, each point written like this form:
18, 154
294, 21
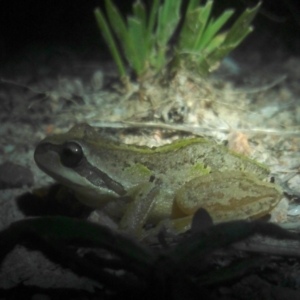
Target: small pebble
295, 211
14, 176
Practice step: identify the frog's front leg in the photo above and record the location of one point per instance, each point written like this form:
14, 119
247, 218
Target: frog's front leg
137, 211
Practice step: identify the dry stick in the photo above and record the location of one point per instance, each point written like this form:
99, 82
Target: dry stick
295, 227
271, 246
251, 91
263, 88
277, 243
197, 130
46, 94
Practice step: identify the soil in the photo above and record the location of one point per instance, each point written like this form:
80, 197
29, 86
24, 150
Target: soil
250, 104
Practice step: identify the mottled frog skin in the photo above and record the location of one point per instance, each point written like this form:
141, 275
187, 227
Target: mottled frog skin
135, 185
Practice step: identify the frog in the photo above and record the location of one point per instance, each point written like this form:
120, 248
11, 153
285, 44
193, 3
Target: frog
139, 185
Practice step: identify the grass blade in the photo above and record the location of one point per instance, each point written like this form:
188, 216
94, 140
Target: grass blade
240, 29
192, 5
213, 27
168, 18
145, 40
140, 13
110, 41
167, 21
190, 28
116, 21
150, 40
242, 25
152, 17
203, 16
137, 40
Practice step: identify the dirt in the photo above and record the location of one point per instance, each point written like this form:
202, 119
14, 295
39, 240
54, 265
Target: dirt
249, 104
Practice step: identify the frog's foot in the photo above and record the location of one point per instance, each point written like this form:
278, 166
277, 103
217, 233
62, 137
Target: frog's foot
100, 217
167, 229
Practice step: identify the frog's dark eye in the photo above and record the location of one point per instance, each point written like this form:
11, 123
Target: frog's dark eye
71, 154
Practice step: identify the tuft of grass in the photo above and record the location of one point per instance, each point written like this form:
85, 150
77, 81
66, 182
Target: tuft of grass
143, 39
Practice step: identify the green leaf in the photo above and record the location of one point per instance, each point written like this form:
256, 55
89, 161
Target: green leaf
110, 41
116, 21
195, 22
241, 28
234, 37
136, 33
140, 13
168, 18
189, 29
119, 27
204, 13
144, 39
152, 17
167, 21
213, 28
201, 46
150, 40
192, 5
214, 43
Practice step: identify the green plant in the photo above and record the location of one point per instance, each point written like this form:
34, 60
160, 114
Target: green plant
144, 39
200, 42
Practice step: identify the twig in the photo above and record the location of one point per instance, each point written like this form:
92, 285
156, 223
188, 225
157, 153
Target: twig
262, 88
270, 246
291, 226
197, 130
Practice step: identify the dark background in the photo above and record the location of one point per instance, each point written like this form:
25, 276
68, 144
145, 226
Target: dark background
33, 25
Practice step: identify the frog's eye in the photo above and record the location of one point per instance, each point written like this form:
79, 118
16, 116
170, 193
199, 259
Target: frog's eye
71, 154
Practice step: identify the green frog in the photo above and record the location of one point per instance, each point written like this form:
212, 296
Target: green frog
138, 185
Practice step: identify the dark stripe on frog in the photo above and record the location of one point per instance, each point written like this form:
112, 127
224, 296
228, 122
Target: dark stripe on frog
97, 177
86, 170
